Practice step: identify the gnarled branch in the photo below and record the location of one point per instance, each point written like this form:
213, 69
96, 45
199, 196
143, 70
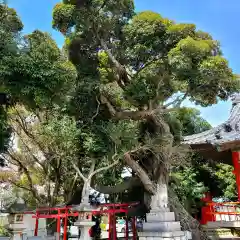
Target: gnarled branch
125, 115
146, 181
119, 188
79, 172
178, 101
30, 181
121, 71
103, 168
133, 115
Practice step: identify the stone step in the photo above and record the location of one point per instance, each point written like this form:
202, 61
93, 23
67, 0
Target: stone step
223, 224
163, 238
160, 217
169, 234
160, 209
161, 226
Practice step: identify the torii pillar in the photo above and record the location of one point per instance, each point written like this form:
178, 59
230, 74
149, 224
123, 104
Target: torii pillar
236, 171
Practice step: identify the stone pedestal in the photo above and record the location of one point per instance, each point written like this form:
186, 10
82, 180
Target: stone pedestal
17, 233
34, 238
84, 227
161, 223
85, 221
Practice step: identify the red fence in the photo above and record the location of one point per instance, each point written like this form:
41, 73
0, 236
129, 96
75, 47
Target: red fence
227, 211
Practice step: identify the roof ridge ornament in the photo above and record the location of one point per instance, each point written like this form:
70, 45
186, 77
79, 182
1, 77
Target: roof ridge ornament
227, 127
235, 98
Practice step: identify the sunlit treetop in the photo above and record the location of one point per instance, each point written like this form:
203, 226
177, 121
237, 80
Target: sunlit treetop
150, 57
10, 19
10, 27
33, 70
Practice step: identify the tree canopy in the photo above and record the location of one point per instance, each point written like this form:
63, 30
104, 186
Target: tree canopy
130, 64
33, 69
154, 57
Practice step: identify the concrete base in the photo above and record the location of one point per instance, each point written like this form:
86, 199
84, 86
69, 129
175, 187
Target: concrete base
17, 233
161, 225
177, 235
160, 216
161, 234
84, 227
35, 238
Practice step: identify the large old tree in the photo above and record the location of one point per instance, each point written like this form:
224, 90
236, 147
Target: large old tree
139, 68
133, 71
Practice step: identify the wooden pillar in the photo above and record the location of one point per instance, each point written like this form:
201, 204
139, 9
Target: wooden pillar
109, 226
207, 211
59, 224
36, 224
65, 225
126, 228
236, 172
134, 228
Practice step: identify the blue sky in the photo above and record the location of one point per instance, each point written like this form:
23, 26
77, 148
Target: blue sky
220, 18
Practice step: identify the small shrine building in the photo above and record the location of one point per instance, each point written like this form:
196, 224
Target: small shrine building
21, 223
221, 143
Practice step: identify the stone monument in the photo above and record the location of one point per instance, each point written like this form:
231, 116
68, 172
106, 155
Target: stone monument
161, 223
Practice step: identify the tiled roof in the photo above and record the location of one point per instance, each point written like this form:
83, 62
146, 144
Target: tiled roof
224, 133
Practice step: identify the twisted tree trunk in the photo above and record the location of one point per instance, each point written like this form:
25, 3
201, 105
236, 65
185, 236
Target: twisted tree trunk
188, 223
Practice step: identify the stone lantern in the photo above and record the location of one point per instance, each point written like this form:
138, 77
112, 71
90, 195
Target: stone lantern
15, 218
85, 222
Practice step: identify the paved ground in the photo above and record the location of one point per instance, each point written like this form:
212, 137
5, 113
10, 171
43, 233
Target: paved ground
119, 235
104, 235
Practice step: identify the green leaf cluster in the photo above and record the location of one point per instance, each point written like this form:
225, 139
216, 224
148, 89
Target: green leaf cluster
38, 76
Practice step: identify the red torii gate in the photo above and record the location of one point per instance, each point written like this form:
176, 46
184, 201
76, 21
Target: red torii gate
69, 211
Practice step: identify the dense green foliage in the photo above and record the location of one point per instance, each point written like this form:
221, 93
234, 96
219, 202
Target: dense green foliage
10, 25
191, 121
32, 69
38, 76
162, 57
218, 178
129, 65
